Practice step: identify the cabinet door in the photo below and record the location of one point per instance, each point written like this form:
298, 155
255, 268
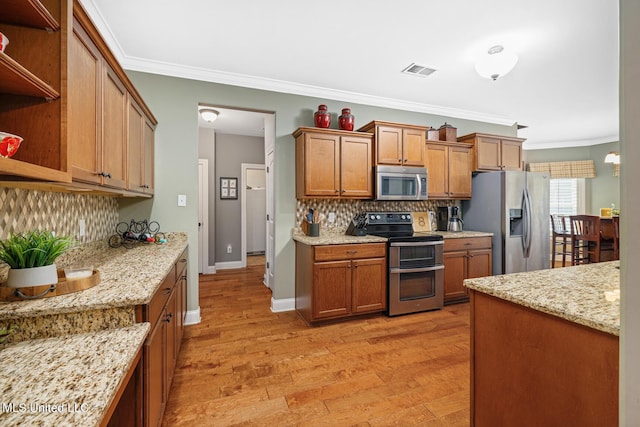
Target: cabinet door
171, 320
84, 112
511, 155
321, 165
480, 263
413, 147
455, 271
154, 379
331, 289
356, 172
437, 164
488, 154
460, 159
389, 145
135, 151
114, 146
148, 154
369, 285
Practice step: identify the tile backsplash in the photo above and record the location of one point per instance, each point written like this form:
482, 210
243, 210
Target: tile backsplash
22, 210
345, 210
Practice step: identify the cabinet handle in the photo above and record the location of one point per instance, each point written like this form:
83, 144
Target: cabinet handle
166, 291
352, 252
337, 191
184, 277
183, 260
168, 317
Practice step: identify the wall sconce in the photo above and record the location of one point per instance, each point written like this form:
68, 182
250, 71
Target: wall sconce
496, 63
209, 114
614, 158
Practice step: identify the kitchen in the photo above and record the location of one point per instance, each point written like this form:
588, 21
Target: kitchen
177, 123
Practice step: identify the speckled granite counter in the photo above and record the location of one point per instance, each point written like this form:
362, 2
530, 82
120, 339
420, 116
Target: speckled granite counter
337, 237
66, 381
129, 277
587, 294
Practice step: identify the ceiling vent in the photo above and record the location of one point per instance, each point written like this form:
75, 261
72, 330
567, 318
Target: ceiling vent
419, 70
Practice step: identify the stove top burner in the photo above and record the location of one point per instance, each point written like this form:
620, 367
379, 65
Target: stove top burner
397, 226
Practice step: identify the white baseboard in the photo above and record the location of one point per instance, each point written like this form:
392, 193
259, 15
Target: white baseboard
227, 265
284, 304
210, 269
192, 317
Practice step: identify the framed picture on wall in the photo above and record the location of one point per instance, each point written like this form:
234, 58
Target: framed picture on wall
228, 188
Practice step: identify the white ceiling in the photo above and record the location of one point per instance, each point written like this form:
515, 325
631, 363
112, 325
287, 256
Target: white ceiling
564, 87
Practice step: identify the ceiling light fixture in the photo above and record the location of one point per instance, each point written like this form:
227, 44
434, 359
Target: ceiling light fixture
209, 114
496, 63
612, 157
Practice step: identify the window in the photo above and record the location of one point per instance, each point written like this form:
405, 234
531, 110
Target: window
567, 196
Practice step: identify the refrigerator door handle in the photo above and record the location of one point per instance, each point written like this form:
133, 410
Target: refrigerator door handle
527, 224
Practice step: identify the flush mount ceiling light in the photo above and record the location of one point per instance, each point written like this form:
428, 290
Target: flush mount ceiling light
209, 114
496, 63
612, 157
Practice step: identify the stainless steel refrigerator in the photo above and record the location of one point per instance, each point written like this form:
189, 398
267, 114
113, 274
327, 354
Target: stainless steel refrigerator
514, 206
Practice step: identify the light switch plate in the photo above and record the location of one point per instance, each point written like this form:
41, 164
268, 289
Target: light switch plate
182, 200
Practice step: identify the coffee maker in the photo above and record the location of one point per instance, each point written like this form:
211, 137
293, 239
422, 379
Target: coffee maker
455, 223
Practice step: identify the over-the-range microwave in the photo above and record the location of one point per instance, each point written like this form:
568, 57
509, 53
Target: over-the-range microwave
401, 183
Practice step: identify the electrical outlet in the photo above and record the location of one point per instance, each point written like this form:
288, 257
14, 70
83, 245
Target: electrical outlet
332, 217
229, 249
82, 228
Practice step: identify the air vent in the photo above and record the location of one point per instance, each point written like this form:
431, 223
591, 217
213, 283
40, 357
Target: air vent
419, 70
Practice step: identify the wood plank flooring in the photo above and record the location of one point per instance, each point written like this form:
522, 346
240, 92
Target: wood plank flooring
246, 366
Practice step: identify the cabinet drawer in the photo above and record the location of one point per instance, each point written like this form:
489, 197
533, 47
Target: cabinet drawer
467, 243
161, 296
339, 252
181, 265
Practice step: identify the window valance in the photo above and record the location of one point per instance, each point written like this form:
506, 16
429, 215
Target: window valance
568, 169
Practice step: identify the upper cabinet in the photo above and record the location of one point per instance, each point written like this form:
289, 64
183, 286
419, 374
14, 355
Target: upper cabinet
67, 97
396, 143
449, 170
333, 164
495, 152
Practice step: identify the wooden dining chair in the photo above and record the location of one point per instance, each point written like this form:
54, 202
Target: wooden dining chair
585, 239
561, 239
616, 237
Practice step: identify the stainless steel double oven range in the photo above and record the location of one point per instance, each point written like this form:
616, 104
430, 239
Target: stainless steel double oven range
415, 263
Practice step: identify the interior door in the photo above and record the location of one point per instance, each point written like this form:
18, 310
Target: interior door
203, 214
271, 215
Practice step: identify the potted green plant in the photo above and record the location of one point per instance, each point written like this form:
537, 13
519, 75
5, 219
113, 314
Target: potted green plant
31, 257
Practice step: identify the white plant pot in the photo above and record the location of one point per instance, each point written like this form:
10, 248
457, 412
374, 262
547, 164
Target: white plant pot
37, 276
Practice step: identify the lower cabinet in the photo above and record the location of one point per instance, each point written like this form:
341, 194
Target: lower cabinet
464, 258
166, 313
335, 281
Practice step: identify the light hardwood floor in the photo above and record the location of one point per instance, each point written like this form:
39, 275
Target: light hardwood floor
246, 366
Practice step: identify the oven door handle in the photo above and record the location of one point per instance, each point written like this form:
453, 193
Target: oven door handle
416, 270
400, 244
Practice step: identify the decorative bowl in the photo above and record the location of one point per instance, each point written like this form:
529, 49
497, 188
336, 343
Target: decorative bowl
4, 41
9, 144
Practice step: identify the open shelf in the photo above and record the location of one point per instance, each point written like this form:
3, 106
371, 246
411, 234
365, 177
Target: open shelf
17, 80
29, 170
30, 13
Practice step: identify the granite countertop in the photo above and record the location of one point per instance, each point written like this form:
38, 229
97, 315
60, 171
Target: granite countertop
128, 277
69, 380
336, 236
586, 294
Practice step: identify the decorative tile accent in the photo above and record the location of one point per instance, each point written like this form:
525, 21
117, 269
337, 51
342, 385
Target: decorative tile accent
345, 210
22, 210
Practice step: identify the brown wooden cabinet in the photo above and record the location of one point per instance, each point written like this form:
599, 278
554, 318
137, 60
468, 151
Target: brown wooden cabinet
166, 313
336, 281
63, 91
397, 144
464, 258
449, 170
333, 164
140, 137
495, 152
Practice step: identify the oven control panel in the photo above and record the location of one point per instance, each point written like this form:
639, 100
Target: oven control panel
389, 218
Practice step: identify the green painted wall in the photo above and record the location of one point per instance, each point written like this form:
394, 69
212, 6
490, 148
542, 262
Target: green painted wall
602, 190
174, 102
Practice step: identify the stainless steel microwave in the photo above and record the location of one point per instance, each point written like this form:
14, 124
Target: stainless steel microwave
401, 183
